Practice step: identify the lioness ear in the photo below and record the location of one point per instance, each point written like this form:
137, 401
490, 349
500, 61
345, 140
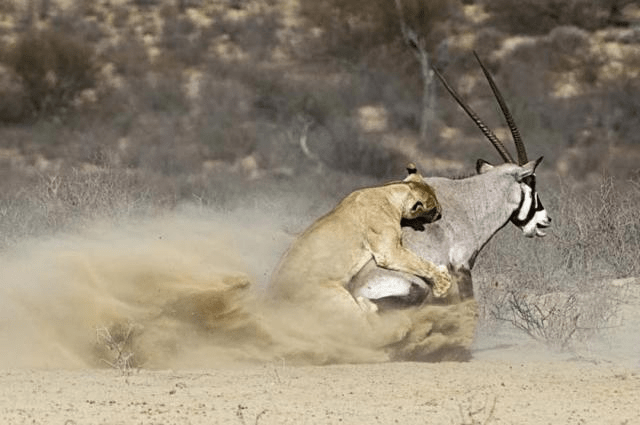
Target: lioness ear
413, 176
417, 209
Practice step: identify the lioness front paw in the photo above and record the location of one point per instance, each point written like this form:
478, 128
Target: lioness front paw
366, 305
441, 282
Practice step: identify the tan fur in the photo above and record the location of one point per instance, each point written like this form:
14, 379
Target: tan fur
364, 225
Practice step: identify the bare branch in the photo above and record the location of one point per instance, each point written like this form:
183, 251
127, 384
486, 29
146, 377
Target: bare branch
303, 142
417, 44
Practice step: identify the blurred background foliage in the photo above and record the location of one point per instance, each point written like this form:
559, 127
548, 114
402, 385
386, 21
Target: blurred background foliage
206, 99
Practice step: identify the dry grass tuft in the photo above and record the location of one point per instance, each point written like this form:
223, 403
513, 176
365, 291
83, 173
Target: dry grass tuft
116, 342
477, 411
558, 289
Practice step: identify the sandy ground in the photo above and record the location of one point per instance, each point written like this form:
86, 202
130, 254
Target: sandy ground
208, 355
557, 392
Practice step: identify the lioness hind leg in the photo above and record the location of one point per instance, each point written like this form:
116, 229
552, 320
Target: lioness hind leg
336, 303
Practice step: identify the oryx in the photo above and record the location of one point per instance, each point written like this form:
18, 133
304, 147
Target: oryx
473, 210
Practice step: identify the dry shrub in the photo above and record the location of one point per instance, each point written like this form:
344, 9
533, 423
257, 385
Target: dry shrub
91, 193
8, 7
256, 34
532, 68
183, 40
560, 318
115, 346
327, 105
224, 125
14, 103
121, 14
477, 409
594, 126
619, 106
162, 93
146, 3
129, 57
351, 28
569, 40
596, 115
488, 40
57, 202
557, 289
84, 21
540, 16
53, 68
354, 152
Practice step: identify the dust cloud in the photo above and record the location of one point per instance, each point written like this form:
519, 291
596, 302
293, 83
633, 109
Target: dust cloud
187, 290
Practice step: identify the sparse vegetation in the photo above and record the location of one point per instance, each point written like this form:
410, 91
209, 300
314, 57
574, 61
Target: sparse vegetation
53, 68
563, 293
477, 410
558, 319
240, 415
116, 343
541, 16
351, 29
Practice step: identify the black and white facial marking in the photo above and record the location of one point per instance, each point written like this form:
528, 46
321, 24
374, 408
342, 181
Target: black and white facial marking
530, 216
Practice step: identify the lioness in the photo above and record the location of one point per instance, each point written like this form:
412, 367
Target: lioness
364, 225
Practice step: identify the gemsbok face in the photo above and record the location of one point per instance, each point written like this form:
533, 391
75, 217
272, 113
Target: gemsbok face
530, 216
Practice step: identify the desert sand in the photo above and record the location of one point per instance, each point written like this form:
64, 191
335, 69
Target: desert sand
193, 349
493, 392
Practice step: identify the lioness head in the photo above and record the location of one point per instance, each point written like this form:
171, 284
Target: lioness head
421, 201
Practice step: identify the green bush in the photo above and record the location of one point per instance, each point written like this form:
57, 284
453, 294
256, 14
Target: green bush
53, 68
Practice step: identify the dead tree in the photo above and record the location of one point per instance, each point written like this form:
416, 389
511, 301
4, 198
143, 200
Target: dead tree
418, 45
44, 9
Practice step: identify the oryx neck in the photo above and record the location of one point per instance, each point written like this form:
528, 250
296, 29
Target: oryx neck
479, 206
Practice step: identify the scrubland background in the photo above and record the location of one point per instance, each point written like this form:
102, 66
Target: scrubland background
112, 110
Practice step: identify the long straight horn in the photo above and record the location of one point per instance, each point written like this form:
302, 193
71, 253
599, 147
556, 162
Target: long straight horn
506, 156
517, 139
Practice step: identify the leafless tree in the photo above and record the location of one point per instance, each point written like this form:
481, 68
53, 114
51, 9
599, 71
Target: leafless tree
418, 45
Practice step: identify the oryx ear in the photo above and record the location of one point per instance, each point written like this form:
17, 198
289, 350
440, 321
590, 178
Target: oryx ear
529, 168
483, 166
